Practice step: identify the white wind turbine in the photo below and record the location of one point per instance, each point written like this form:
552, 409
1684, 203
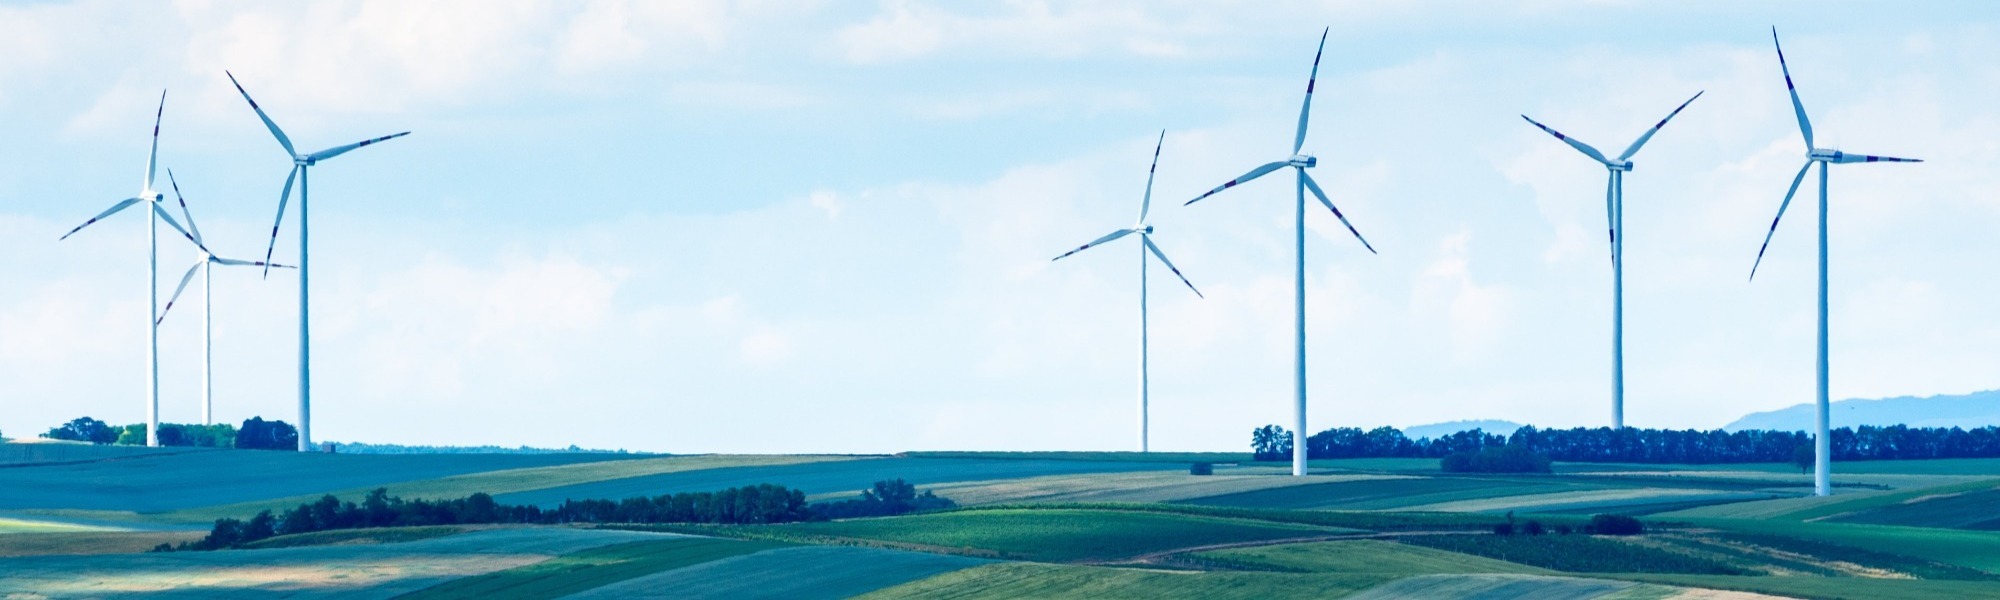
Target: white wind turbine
1146, 245
1822, 443
1614, 214
152, 200
301, 167
208, 260
1299, 162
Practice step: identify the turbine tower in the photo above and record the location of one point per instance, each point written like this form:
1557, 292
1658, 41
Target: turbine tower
1299, 162
1614, 215
152, 200
1822, 444
301, 166
1146, 245
208, 260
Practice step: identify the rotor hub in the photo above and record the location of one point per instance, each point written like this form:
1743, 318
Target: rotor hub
1303, 161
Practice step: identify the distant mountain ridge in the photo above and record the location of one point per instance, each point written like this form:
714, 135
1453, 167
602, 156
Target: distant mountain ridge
1438, 430
1977, 409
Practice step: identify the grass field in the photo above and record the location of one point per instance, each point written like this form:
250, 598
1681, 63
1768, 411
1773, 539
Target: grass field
1138, 486
373, 570
1956, 510
1053, 535
89, 542
512, 480
1244, 458
828, 477
799, 573
1833, 588
592, 568
1577, 553
165, 481
1360, 556
1381, 494
1033, 580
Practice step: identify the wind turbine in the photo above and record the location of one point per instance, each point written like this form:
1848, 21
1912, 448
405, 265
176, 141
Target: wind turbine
301, 166
208, 260
152, 200
1146, 245
1614, 215
1822, 442
1299, 162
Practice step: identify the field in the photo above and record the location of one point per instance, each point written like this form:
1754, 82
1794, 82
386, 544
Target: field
1082, 525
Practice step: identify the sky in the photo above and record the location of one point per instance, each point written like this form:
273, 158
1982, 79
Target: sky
827, 227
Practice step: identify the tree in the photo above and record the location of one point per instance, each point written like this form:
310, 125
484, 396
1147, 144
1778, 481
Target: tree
1271, 442
1804, 457
258, 434
84, 429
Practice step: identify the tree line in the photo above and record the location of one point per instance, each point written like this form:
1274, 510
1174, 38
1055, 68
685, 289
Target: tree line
255, 434
1604, 444
754, 504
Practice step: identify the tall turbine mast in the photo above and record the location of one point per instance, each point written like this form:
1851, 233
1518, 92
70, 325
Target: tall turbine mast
1146, 245
1299, 162
152, 200
1822, 442
1614, 216
301, 166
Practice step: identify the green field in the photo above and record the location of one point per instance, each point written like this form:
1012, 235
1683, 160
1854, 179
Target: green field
1051, 535
1083, 525
592, 568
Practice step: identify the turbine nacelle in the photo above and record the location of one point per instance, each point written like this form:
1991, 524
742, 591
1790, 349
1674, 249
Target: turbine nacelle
1621, 167
304, 161
1144, 229
1302, 161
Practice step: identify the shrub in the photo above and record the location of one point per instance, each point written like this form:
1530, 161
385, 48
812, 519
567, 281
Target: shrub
258, 434
1495, 459
1614, 525
1201, 468
887, 498
1532, 528
1503, 529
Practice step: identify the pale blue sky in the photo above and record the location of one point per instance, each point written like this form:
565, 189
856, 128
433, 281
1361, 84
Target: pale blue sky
788, 227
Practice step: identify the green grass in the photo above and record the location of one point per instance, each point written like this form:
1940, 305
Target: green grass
54, 452
377, 535
1835, 588
1053, 535
1972, 549
1956, 510
1390, 465
1382, 494
1358, 556
1032, 580
1883, 558
1864, 502
1172, 457
11, 526
1138, 486
508, 480
1577, 553
596, 567
801, 572
89, 542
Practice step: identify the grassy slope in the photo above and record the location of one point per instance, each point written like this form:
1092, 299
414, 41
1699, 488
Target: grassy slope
509, 480
1360, 556
1055, 535
89, 542
798, 573
1379, 494
592, 568
1836, 588
1174, 457
1966, 510
1141, 486
1972, 549
1030, 580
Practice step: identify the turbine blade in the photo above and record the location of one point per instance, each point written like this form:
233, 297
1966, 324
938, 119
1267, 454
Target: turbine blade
1146, 204
1805, 126
1573, 143
1306, 109
1610, 217
1314, 186
153, 160
1845, 158
1253, 174
1774, 220
1634, 148
1099, 241
192, 228
1170, 264
283, 197
339, 150
275, 131
169, 218
249, 263
100, 216
177, 293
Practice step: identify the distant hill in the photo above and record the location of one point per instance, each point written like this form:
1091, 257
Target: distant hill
364, 448
1438, 430
1977, 409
